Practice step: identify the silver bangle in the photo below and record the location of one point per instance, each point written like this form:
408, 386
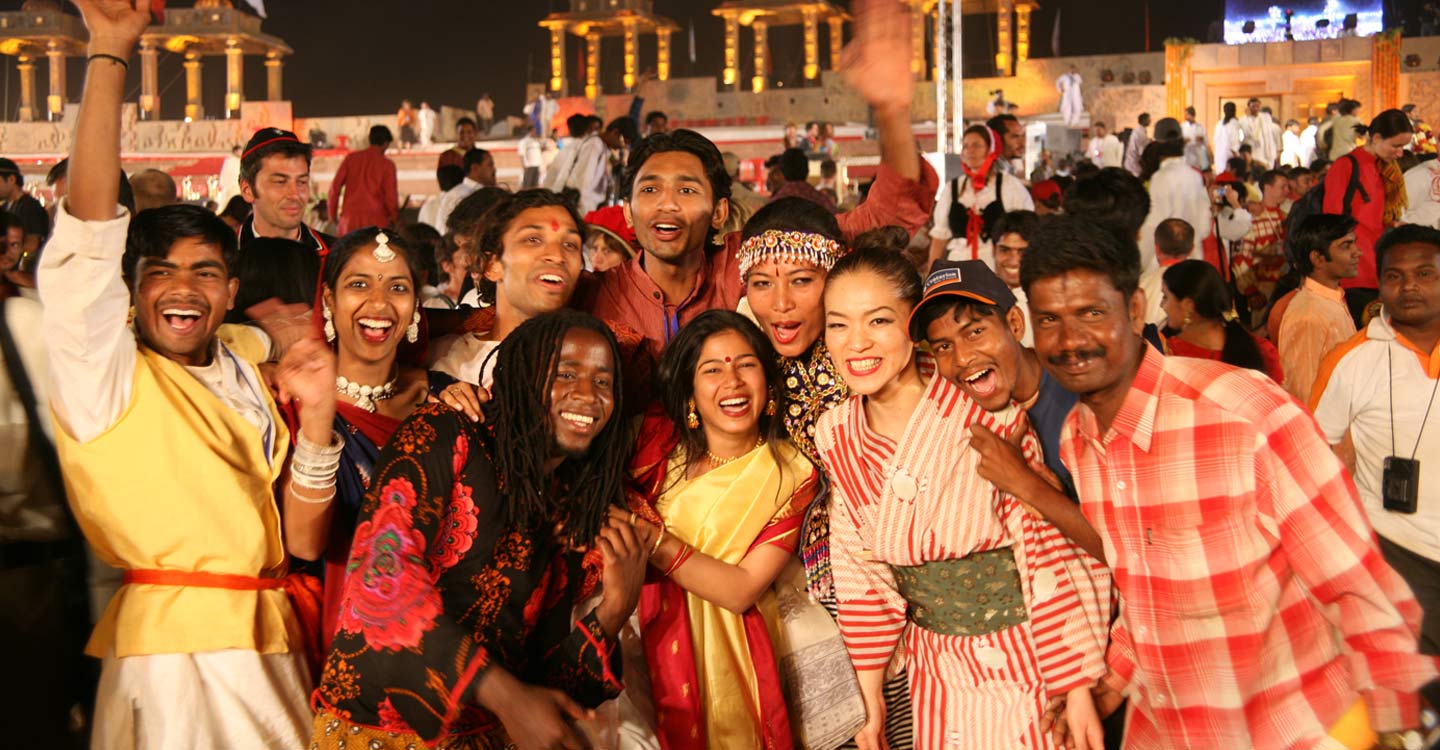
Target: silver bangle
309, 501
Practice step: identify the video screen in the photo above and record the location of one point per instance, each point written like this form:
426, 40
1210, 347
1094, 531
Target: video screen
1263, 21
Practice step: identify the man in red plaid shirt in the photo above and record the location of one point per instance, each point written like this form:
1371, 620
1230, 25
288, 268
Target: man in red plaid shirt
1256, 609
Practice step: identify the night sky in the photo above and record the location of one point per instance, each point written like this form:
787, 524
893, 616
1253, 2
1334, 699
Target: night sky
363, 58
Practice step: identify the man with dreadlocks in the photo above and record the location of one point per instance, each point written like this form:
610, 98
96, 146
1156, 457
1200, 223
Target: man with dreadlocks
471, 550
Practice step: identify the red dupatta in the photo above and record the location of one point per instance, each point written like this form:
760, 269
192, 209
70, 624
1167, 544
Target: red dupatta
665, 619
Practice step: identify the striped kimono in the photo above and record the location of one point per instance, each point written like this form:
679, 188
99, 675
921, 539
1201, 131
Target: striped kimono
922, 501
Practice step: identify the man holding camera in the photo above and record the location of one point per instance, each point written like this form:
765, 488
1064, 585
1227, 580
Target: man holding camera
1375, 400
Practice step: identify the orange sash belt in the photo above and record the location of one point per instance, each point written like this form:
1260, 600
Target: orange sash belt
304, 591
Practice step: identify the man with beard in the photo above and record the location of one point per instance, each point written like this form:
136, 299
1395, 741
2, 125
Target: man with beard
1256, 608
170, 445
677, 195
275, 181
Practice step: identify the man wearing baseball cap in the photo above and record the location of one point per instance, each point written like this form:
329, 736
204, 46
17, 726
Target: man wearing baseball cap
973, 326
275, 181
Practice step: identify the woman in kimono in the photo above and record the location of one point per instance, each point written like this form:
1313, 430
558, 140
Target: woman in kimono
787, 249
998, 612
718, 492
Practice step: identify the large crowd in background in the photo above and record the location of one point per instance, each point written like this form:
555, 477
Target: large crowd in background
1135, 450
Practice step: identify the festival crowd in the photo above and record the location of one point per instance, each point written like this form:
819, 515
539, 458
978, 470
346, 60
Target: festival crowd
1128, 453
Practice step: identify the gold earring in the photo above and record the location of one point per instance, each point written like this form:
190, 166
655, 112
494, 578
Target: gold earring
770, 408
1186, 322
692, 420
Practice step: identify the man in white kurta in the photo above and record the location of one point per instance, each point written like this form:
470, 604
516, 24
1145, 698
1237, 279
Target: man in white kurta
1072, 102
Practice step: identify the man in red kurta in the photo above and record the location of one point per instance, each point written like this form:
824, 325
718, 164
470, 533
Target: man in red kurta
367, 181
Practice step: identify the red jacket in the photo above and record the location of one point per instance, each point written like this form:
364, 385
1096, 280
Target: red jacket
1370, 215
367, 180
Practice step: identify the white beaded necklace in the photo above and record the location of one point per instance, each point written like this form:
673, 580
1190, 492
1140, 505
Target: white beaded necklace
365, 395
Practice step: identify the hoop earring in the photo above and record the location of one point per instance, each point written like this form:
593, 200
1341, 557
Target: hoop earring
412, 332
692, 420
1186, 322
329, 322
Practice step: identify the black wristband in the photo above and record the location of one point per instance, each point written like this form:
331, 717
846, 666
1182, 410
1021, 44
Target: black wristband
103, 56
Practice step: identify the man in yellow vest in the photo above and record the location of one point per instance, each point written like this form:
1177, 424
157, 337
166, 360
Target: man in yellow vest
170, 444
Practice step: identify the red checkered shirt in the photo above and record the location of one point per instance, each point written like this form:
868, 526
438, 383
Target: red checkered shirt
1255, 605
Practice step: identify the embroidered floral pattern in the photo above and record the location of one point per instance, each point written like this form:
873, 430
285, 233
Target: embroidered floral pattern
389, 597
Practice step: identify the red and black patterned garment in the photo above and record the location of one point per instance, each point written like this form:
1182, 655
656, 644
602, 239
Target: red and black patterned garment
438, 590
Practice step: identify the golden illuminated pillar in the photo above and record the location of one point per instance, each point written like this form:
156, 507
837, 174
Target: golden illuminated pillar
632, 55
274, 87
194, 83
917, 41
55, 101
837, 40
234, 78
662, 54
762, 54
1022, 34
592, 64
1004, 42
731, 75
149, 80
812, 44
557, 59
26, 65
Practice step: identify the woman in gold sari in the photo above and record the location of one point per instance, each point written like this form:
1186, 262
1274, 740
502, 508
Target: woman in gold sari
718, 491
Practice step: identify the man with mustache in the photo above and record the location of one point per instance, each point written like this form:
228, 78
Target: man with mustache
1375, 401
677, 195
1256, 609
1316, 319
275, 181
170, 445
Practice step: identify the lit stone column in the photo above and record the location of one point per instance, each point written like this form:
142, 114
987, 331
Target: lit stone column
274, 88
234, 78
592, 64
55, 102
731, 74
1022, 33
632, 55
762, 54
1004, 42
917, 41
149, 80
194, 86
662, 54
812, 44
26, 65
837, 40
557, 59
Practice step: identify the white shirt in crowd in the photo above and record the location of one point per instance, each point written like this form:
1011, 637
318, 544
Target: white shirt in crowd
1307, 145
1177, 191
1356, 397
1014, 197
449, 200
1227, 141
1106, 152
532, 152
1422, 186
584, 166
1290, 151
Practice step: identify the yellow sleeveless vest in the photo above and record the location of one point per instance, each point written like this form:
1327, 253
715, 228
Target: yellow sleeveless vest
181, 482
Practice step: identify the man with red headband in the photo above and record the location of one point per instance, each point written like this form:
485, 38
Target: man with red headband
275, 181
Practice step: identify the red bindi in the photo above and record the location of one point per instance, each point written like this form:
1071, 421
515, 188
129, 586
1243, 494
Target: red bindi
727, 359
554, 225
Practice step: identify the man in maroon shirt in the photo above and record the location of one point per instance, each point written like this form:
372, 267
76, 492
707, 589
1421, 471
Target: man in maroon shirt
464, 141
677, 195
367, 180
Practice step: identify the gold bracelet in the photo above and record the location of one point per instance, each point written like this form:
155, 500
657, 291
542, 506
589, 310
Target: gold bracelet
659, 538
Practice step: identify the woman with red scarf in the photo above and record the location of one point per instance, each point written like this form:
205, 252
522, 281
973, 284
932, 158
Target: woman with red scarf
718, 492
971, 202
368, 301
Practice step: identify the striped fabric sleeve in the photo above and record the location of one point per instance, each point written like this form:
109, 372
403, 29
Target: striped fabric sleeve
1069, 600
872, 612
1328, 542
1119, 657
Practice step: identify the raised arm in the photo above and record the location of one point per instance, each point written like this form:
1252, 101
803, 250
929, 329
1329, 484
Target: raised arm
92, 350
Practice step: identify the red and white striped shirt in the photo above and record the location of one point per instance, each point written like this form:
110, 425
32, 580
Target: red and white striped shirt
923, 501
1255, 605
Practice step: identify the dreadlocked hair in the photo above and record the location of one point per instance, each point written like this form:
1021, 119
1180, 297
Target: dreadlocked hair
579, 491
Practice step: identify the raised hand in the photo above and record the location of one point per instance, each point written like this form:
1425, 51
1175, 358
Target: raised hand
876, 62
115, 25
306, 375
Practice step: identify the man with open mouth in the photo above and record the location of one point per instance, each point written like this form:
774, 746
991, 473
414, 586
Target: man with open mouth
677, 195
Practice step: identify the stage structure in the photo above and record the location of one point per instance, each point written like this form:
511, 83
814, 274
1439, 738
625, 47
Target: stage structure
212, 28
596, 20
761, 16
41, 29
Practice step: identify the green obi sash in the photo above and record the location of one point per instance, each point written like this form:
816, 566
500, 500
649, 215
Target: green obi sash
969, 596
